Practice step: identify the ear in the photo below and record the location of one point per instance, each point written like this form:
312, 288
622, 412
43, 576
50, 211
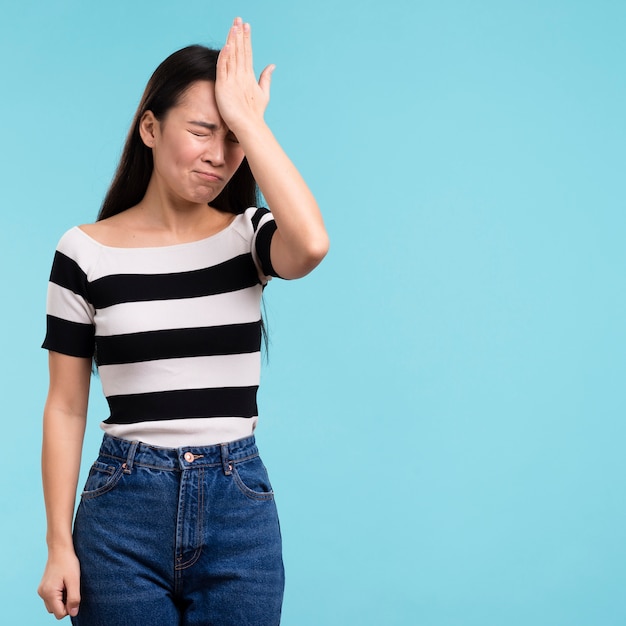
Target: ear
147, 128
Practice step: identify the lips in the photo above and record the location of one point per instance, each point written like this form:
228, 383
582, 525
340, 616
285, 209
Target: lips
209, 176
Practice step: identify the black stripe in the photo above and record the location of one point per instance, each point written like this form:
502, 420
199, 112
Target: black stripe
67, 273
68, 337
256, 218
263, 247
179, 343
232, 275
185, 403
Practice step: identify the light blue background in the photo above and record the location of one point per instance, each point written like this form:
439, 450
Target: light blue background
443, 409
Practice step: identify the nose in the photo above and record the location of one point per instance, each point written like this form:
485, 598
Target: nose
214, 152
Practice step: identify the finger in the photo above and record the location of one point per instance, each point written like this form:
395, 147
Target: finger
222, 62
266, 78
72, 600
231, 40
238, 43
232, 32
53, 600
225, 58
56, 606
50, 606
247, 47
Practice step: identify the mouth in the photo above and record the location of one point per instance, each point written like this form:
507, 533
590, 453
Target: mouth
208, 176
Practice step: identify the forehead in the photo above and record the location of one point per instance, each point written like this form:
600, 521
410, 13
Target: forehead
198, 99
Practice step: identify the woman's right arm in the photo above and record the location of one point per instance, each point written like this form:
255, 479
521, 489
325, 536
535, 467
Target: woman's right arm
65, 416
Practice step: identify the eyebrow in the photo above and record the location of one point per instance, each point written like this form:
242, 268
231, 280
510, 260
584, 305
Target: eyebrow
206, 125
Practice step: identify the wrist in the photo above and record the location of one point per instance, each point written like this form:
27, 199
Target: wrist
60, 542
250, 132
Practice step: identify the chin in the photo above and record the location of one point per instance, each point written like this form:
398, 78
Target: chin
205, 198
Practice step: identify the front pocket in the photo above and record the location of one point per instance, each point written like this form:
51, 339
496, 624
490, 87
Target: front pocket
102, 478
252, 479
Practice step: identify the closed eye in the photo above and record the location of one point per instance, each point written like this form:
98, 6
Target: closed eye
202, 129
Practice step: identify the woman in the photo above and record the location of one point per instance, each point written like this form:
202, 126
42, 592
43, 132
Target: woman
177, 523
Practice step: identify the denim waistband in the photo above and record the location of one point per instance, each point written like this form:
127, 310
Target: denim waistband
190, 457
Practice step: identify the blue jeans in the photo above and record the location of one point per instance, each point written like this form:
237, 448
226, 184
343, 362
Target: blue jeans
178, 537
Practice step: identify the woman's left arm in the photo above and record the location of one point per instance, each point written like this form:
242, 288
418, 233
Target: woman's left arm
301, 241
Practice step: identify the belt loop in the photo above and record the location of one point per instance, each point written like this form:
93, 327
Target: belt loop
227, 466
128, 466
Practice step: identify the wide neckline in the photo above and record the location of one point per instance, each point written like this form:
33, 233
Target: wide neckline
164, 247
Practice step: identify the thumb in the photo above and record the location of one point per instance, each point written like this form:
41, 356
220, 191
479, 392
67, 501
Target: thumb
266, 78
72, 596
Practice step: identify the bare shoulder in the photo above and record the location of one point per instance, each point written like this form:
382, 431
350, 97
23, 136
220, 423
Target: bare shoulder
95, 230
117, 231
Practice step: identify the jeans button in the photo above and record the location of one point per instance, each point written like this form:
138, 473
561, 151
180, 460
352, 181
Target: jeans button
189, 457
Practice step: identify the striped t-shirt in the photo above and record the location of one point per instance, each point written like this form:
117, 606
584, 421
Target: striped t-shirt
175, 330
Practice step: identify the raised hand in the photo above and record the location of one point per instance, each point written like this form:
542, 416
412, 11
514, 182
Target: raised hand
241, 100
301, 241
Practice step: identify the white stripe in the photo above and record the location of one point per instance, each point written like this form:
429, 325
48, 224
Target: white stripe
268, 217
184, 257
235, 307
185, 432
232, 370
68, 305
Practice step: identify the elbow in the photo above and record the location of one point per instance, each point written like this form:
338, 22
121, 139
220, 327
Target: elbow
300, 259
307, 259
315, 252
319, 249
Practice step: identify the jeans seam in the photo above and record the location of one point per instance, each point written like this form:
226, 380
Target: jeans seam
114, 479
250, 493
245, 458
183, 507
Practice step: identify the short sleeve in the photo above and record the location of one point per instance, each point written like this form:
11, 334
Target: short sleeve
69, 313
264, 227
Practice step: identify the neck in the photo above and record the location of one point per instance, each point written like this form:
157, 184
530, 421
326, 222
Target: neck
163, 211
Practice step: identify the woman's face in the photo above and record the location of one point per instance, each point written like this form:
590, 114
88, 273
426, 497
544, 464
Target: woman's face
195, 154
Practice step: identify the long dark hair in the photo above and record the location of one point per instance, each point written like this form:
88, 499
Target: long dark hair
164, 90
